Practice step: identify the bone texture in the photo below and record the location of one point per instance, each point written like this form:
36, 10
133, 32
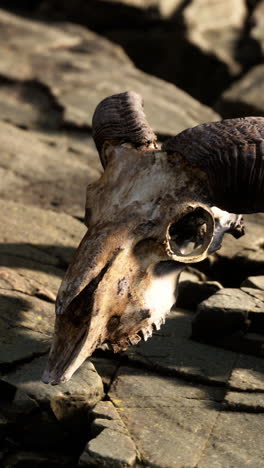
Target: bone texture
150, 213
120, 118
231, 152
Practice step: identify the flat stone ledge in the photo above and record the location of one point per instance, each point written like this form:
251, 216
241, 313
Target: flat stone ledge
171, 350
236, 441
247, 374
245, 401
83, 391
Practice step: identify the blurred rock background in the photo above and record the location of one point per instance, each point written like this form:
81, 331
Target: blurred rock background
193, 61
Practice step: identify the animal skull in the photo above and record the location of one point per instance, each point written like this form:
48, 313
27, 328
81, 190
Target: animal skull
151, 213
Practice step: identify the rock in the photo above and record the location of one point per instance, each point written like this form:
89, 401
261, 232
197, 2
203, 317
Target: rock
191, 274
258, 24
25, 317
81, 392
36, 246
245, 401
39, 235
235, 441
245, 96
254, 282
56, 178
112, 446
85, 61
227, 312
191, 294
167, 418
238, 258
16, 402
26, 324
204, 16
215, 27
19, 343
170, 350
247, 374
140, 388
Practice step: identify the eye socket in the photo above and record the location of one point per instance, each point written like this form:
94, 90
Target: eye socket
189, 237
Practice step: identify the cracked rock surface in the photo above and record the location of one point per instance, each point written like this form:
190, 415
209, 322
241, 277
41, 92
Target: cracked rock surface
193, 395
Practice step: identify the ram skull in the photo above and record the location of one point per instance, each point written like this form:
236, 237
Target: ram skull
152, 212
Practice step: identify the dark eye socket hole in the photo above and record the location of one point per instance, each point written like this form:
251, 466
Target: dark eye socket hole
187, 234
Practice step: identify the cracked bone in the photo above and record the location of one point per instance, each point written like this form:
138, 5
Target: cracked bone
152, 212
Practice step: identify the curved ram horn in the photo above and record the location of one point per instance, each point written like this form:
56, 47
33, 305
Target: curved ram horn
120, 119
231, 153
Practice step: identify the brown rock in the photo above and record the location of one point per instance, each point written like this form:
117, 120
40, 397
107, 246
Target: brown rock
258, 22
254, 282
235, 441
82, 60
55, 178
112, 446
83, 391
247, 374
172, 351
168, 419
215, 27
225, 313
245, 96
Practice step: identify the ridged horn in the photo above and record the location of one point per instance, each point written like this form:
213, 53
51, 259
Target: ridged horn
120, 119
231, 153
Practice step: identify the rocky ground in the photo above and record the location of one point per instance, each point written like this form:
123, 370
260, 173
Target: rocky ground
193, 395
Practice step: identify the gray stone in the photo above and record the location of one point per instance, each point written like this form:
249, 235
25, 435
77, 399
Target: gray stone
27, 317
18, 343
112, 446
110, 449
245, 401
139, 388
254, 282
83, 61
247, 374
39, 235
171, 349
236, 440
245, 96
215, 27
81, 392
55, 178
169, 420
247, 245
227, 312
258, 22
16, 402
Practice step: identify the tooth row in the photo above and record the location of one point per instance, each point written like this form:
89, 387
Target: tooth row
158, 323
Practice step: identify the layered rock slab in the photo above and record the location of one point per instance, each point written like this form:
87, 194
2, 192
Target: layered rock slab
70, 62
40, 171
172, 351
169, 420
245, 96
235, 441
112, 445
